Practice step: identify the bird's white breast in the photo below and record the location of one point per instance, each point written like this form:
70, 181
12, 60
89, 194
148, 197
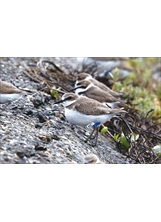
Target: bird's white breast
4, 98
81, 119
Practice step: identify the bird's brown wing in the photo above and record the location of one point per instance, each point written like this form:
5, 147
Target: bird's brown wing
90, 107
100, 95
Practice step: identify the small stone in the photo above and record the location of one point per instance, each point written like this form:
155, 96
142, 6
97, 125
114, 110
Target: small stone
42, 118
28, 111
38, 125
40, 147
57, 114
20, 154
55, 137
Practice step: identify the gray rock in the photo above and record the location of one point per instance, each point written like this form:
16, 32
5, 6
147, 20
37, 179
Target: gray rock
34, 130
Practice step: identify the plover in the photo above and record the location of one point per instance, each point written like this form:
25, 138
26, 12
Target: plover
87, 88
9, 92
83, 111
92, 159
107, 79
86, 76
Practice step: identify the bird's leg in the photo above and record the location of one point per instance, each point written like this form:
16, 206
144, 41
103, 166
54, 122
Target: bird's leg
90, 136
97, 127
94, 136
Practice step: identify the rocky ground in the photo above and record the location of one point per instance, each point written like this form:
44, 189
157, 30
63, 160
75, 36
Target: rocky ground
34, 130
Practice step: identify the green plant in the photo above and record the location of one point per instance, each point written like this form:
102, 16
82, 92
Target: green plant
126, 140
139, 87
54, 93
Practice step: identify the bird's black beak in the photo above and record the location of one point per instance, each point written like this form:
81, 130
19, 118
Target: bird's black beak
59, 101
80, 86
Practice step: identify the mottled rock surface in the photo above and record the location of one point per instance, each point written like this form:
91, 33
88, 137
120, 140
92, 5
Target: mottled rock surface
34, 130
